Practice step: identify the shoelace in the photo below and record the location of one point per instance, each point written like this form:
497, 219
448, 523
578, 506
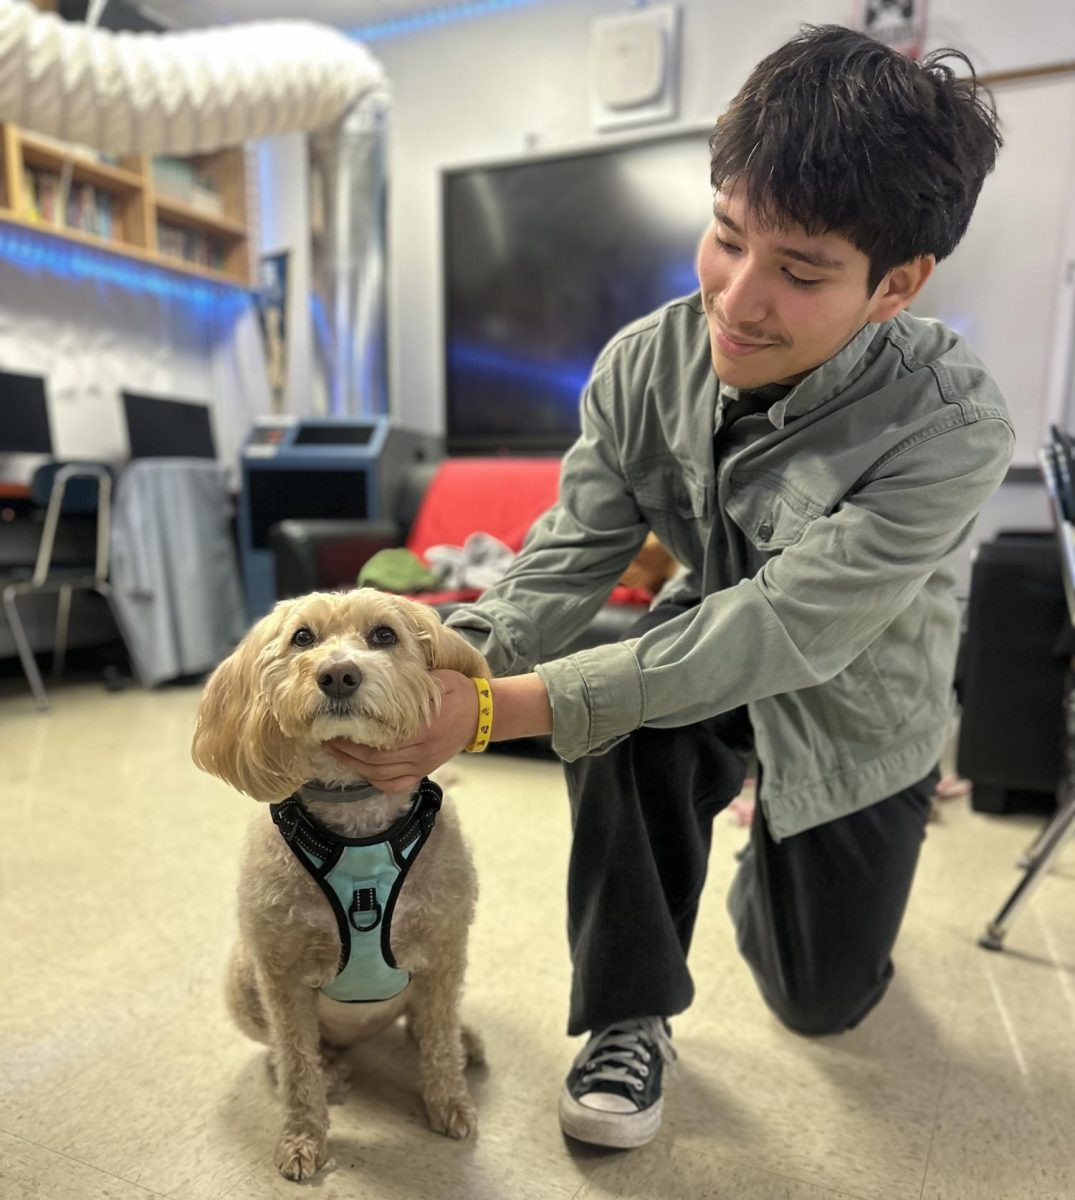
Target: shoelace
620, 1053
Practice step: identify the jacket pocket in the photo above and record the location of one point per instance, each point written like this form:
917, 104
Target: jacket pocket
770, 518
891, 682
677, 506
859, 697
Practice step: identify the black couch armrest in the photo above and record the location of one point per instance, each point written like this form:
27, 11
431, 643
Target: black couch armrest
324, 555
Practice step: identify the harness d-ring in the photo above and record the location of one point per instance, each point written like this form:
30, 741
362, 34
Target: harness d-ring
365, 901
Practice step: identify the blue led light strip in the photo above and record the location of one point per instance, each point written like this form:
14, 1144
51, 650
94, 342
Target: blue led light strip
41, 253
433, 18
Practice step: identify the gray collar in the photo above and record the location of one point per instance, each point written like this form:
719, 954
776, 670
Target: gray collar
833, 377
318, 793
825, 381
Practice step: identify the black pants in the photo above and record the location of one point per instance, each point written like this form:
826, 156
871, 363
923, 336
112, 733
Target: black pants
816, 915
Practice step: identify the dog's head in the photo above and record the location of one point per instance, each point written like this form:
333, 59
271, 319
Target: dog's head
349, 665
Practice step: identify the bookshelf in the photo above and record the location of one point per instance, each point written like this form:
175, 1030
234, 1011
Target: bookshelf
185, 215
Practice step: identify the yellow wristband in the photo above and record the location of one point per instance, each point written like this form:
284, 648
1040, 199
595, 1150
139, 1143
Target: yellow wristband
484, 730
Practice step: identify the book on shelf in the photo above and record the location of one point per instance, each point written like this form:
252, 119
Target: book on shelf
173, 177
88, 209
40, 190
105, 221
190, 245
178, 179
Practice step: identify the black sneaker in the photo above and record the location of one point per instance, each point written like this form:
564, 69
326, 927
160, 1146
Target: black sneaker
612, 1096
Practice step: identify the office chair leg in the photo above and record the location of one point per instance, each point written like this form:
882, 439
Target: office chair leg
63, 621
1046, 849
26, 654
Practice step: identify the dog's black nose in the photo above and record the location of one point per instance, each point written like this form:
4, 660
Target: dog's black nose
339, 679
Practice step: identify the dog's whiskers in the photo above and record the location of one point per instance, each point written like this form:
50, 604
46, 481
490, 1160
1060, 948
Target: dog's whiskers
338, 708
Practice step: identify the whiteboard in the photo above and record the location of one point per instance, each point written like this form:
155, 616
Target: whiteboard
1008, 286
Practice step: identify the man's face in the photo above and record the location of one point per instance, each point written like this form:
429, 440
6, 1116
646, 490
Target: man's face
779, 302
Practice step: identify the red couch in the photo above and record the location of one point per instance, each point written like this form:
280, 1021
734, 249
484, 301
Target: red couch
439, 504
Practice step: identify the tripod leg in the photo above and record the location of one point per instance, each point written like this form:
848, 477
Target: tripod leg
1052, 842
1048, 844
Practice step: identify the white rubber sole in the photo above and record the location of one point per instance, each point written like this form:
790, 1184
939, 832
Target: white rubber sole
617, 1131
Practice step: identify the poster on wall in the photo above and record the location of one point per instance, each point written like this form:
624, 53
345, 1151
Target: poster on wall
271, 297
900, 24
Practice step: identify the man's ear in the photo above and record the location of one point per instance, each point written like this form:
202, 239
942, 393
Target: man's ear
900, 287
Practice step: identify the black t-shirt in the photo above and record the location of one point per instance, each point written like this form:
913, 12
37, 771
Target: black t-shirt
743, 421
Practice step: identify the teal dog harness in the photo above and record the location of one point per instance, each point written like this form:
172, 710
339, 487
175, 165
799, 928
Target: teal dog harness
361, 879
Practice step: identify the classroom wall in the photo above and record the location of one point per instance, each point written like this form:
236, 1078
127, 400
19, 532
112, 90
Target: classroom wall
1009, 286
92, 340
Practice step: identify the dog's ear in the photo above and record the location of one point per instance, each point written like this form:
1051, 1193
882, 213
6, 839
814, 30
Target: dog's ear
236, 736
445, 650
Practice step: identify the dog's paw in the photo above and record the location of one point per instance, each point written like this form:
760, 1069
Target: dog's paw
473, 1046
300, 1155
454, 1116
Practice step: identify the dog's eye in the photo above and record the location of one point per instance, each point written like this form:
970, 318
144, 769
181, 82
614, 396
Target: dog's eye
303, 637
383, 636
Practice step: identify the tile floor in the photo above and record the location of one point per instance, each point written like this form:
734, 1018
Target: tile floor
122, 1078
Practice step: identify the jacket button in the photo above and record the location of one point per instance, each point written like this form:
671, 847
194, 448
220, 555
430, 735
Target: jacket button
765, 531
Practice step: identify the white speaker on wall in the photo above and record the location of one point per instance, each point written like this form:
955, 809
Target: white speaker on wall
634, 67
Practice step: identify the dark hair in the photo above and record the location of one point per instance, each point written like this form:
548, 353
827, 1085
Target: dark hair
839, 134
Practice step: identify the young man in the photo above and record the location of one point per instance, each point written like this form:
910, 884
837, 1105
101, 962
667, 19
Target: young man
812, 454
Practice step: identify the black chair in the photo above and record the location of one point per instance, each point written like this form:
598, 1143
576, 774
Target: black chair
82, 491
1058, 468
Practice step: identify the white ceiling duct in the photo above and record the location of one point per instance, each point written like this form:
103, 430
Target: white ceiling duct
176, 93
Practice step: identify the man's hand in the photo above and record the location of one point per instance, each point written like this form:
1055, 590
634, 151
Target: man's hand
521, 708
402, 768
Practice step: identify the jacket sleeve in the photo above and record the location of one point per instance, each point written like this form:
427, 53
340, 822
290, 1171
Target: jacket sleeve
571, 560
805, 615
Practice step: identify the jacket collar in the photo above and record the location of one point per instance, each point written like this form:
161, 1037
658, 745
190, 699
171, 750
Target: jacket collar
825, 381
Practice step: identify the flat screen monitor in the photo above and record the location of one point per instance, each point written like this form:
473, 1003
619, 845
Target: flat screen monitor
24, 415
162, 428
544, 260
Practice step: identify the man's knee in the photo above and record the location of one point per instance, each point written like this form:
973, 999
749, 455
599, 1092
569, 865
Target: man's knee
824, 1008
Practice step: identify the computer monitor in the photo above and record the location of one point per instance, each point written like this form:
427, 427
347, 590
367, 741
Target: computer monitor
24, 415
162, 428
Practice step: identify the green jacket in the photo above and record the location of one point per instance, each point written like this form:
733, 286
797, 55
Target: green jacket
831, 613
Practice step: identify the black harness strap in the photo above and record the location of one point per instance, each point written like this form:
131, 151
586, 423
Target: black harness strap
306, 836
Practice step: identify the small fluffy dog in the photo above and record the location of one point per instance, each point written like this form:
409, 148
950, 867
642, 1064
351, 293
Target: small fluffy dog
353, 665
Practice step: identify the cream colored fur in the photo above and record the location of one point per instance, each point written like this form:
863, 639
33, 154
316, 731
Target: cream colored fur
261, 727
